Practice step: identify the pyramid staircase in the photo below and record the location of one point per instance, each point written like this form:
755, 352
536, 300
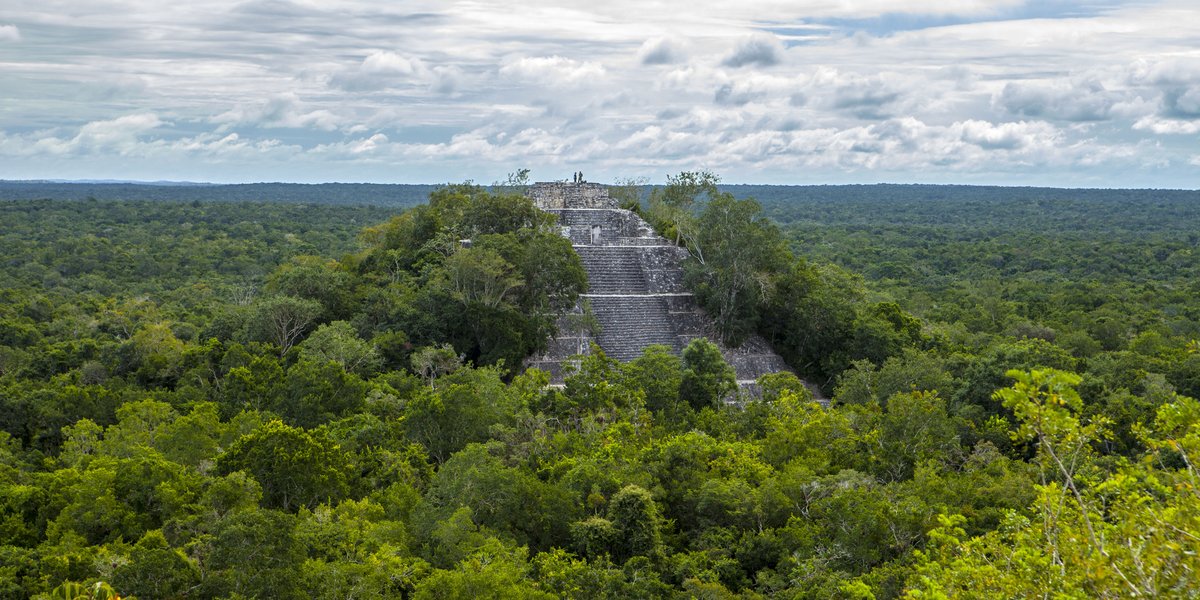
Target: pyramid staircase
635, 293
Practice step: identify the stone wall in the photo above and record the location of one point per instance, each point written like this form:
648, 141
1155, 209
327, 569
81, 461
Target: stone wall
560, 194
614, 224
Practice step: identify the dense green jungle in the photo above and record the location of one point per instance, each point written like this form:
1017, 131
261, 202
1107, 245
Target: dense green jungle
268, 397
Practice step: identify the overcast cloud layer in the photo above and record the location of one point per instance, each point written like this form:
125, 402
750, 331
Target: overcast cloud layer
1103, 93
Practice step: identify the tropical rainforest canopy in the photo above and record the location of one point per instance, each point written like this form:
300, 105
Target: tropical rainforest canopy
213, 399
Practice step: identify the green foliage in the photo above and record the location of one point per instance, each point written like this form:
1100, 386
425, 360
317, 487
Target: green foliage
77, 591
338, 342
501, 498
159, 439
636, 524
707, 378
1098, 530
463, 409
155, 570
659, 373
673, 207
912, 370
492, 274
317, 393
313, 278
254, 553
591, 387
295, 467
493, 572
738, 254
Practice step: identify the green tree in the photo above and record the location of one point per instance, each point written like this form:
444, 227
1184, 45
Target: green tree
507, 212
912, 370
314, 278
494, 572
337, 342
254, 553
157, 355
463, 409
629, 192
707, 378
514, 183
673, 207
479, 276
915, 428
1095, 532
658, 372
295, 467
315, 393
155, 570
432, 362
502, 499
636, 524
738, 254
591, 387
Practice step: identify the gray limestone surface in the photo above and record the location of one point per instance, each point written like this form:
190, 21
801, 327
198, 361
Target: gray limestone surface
636, 291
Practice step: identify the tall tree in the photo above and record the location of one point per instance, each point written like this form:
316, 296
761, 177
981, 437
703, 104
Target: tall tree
707, 378
738, 256
673, 208
295, 467
284, 320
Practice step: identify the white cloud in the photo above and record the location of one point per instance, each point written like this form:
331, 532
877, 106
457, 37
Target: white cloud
760, 50
1171, 70
1006, 136
116, 88
727, 95
553, 70
865, 97
390, 63
1162, 126
1182, 102
386, 70
121, 135
781, 88
1085, 100
661, 51
375, 148
280, 111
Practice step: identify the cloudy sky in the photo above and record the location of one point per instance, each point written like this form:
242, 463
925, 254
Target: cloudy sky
1097, 93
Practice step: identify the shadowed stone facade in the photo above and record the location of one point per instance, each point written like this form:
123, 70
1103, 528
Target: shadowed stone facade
635, 290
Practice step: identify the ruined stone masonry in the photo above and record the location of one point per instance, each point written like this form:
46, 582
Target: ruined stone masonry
636, 288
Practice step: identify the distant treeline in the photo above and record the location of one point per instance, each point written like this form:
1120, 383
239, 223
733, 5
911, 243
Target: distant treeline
1137, 211
841, 203
356, 194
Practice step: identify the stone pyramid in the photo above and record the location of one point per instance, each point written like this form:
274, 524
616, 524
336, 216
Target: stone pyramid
636, 291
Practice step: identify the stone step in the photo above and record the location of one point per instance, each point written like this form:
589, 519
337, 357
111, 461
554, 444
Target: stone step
613, 269
630, 323
653, 240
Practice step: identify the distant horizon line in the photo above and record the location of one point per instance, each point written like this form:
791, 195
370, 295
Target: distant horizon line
185, 183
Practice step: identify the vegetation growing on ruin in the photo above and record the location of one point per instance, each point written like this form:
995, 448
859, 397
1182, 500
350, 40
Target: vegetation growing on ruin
215, 400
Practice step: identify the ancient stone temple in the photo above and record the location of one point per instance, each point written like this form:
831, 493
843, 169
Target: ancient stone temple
636, 292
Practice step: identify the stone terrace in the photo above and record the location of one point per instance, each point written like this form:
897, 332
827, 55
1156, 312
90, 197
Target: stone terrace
636, 287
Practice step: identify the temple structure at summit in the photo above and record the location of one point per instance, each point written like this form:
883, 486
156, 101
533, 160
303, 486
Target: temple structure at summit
636, 292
